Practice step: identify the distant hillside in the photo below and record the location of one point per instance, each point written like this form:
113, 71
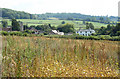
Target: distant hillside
9, 14
78, 16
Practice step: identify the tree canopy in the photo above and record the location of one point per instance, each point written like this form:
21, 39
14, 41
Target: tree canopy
112, 30
4, 23
15, 25
66, 28
89, 25
12, 14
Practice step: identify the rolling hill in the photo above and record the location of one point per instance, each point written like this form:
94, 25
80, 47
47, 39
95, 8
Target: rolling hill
10, 14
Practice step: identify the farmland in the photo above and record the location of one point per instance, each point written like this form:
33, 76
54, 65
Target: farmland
55, 57
55, 22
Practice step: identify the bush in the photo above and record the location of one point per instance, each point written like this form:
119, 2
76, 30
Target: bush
25, 34
107, 37
11, 33
101, 37
45, 33
41, 34
115, 38
29, 31
4, 33
16, 33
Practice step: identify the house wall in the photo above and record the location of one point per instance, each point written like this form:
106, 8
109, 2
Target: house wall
84, 33
60, 33
21, 26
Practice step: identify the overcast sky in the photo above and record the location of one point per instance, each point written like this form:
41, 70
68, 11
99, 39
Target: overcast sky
91, 7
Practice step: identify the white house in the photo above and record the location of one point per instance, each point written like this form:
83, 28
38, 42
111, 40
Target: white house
57, 32
85, 32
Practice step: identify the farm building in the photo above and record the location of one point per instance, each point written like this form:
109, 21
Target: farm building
70, 33
57, 32
8, 29
85, 32
34, 30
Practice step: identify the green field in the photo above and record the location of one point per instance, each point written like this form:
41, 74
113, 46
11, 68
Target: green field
55, 23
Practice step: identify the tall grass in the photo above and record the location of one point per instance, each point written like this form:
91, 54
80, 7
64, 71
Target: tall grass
55, 57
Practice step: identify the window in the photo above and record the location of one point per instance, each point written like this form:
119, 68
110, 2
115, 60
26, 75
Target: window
90, 32
85, 31
80, 31
83, 34
86, 34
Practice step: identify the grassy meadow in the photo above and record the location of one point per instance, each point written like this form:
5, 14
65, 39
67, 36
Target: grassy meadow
55, 22
55, 57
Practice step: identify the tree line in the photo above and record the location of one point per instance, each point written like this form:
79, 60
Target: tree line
80, 17
13, 14
112, 30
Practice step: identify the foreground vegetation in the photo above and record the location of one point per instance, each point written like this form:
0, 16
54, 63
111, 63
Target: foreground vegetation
55, 57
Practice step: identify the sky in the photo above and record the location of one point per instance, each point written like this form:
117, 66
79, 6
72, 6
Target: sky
89, 7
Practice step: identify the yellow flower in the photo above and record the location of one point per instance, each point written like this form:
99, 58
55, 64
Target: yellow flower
116, 63
67, 69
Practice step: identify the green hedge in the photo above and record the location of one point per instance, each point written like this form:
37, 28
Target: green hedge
14, 33
4, 33
100, 37
75, 36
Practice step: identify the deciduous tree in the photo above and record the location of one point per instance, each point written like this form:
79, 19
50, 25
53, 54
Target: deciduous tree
15, 25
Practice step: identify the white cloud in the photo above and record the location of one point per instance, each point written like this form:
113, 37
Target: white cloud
93, 7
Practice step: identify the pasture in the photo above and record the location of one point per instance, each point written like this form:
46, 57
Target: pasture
55, 22
55, 57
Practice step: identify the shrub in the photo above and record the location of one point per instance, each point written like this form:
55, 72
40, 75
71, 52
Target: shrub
29, 31
11, 33
25, 34
4, 33
115, 38
107, 37
45, 33
16, 33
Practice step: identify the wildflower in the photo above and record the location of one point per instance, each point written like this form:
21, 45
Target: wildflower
102, 75
66, 72
116, 63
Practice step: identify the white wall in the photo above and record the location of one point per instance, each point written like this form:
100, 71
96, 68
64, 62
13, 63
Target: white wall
85, 34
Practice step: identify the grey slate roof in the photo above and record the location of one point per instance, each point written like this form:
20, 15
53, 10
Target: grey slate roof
88, 30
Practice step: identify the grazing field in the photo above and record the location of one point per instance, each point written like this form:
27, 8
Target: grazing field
55, 22
55, 57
